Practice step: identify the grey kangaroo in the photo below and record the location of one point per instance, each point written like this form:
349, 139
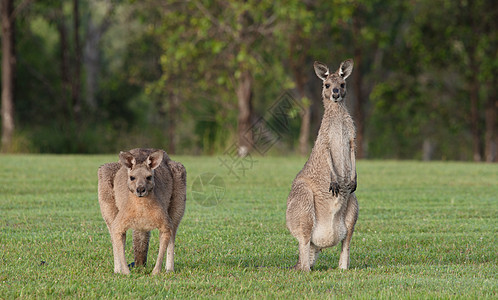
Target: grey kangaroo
143, 191
322, 208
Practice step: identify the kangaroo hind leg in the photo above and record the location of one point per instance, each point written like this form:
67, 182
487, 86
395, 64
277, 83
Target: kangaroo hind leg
351, 217
300, 220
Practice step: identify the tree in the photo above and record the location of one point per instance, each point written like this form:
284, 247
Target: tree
219, 48
336, 30
299, 39
298, 62
8, 72
434, 96
71, 61
92, 53
367, 31
424, 82
247, 26
462, 36
490, 80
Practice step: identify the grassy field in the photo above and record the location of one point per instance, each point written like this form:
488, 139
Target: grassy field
425, 230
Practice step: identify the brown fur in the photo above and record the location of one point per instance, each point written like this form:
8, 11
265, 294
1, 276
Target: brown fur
322, 208
145, 190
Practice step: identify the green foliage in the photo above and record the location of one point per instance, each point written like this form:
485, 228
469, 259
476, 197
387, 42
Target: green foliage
425, 230
173, 66
426, 94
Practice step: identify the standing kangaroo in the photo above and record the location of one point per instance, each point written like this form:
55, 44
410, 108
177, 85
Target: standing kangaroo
143, 191
322, 208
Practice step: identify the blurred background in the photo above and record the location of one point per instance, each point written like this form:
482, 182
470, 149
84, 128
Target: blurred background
203, 77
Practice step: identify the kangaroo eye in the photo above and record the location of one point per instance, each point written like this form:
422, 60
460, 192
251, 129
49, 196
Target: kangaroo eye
132, 178
342, 85
327, 86
149, 178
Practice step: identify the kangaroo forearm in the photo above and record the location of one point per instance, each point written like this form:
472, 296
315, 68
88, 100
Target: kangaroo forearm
353, 161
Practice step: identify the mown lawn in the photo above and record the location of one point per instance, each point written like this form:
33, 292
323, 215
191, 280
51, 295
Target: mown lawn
425, 230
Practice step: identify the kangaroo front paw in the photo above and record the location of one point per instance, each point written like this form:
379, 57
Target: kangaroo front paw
334, 188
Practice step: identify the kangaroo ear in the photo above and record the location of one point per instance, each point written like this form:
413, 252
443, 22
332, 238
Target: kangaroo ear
155, 159
127, 159
346, 68
321, 70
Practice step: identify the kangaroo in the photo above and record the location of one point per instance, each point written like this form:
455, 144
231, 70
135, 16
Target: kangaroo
145, 190
322, 208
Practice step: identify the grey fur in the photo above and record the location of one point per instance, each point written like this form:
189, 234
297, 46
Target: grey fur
322, 208
143, 191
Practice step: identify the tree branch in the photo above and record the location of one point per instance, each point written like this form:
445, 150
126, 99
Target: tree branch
213, 20
19, 8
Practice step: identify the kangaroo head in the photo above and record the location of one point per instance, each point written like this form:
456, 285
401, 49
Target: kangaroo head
141, 174
334, 85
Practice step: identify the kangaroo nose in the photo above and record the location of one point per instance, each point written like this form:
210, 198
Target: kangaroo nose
335, 90
140, 190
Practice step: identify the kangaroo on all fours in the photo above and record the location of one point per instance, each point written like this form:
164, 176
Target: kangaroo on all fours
322, 208
145, 190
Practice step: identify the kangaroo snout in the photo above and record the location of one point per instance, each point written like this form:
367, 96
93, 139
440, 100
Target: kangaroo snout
141, 191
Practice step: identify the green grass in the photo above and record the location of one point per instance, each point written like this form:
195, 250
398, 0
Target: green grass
425, 230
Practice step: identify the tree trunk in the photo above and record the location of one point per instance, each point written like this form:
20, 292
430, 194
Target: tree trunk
76, 78
427, 150
70, 66
8, 73
490, 135
244, 95
473, 79
297, 58
172, 121
474, 111
304, 132
91, 57
358, 114
64, 52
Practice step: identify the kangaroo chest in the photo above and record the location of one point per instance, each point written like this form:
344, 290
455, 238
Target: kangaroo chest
144, 214
339, 145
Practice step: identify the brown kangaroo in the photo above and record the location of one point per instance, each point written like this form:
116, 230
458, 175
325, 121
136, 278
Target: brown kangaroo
143, 191
322, 208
